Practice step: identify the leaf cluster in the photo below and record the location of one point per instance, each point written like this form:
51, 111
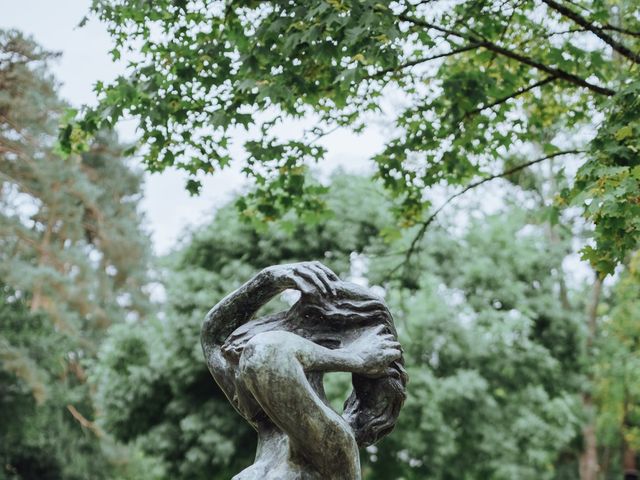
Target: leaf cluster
463, 87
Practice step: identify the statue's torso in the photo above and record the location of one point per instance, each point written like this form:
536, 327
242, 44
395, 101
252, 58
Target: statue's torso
325, 335
273, 461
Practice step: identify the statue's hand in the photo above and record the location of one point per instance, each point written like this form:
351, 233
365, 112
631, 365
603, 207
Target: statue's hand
374, 351
308, 277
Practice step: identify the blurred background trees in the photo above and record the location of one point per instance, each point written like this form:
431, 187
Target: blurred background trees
73, 261
495, 334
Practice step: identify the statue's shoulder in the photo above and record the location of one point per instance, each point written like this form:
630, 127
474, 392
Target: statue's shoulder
234, 344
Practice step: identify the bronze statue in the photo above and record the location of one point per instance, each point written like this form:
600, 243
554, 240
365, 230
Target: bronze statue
271, 370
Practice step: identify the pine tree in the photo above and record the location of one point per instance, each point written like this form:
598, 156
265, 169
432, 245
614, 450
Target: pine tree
73, 261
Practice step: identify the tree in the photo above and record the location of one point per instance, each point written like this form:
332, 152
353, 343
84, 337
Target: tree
73, 260
495, 357
493, 334
475, 84
617, 378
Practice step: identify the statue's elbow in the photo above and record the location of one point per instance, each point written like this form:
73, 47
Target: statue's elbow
209, 328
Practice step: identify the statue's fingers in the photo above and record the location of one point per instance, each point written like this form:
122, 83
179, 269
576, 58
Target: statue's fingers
393, 353
303, 285
324, 278
378, 329
368, 306
392, 347
327, 271
393, 372
310, 276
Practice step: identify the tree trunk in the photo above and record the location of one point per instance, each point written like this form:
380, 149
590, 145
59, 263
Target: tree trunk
589, 456
588, 464
629, 463
629, 466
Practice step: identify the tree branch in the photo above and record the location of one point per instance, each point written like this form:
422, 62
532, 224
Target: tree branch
425, 224
621, 30
515, 94
556, 72
84, 422
598, 32
418, 61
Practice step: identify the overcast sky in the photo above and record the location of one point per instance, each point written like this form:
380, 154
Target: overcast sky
85, 59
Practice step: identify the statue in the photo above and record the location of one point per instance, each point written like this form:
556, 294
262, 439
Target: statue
271, 370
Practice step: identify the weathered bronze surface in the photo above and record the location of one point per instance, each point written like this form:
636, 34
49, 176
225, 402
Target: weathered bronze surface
271, 369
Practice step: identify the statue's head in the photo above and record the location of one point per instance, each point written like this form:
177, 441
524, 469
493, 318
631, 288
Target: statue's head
373, 407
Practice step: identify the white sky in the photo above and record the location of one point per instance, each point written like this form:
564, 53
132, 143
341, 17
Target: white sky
168, 208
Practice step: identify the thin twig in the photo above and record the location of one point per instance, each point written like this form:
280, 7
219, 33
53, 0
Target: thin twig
324, 133
425, 224
84, 422
598, 32
515, 94
621, 30
418, 61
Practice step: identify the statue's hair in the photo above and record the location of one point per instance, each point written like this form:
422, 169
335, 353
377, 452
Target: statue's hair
374, 404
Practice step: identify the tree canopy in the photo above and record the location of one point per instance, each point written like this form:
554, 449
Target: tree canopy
494, 345
477, 87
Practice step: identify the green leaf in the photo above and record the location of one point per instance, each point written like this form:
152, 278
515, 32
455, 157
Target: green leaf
624, 132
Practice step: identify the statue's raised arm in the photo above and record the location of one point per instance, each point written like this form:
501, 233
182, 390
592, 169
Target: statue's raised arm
241, 305
271, 370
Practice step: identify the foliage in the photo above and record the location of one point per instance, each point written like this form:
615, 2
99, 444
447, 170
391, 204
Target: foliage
493, 352
617, 372
476, 84
70, 227
73, 260
610, 180
39, 437
494, 358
